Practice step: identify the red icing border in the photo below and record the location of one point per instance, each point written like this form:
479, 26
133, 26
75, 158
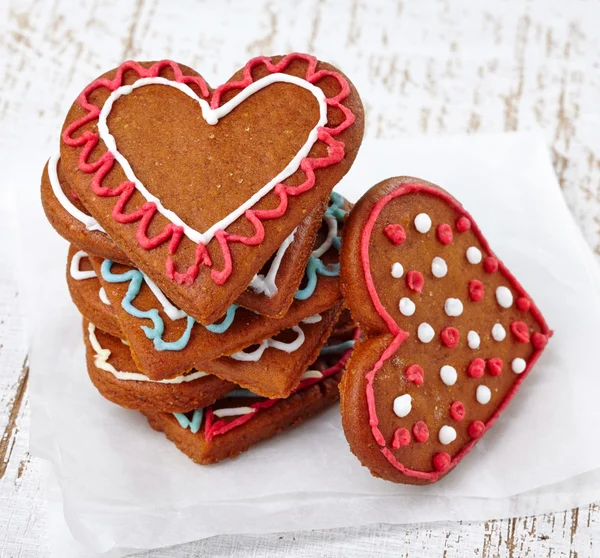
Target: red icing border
212, 428
400, 335
147, 211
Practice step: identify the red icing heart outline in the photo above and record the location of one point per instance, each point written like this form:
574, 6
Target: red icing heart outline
174, 233
400, 335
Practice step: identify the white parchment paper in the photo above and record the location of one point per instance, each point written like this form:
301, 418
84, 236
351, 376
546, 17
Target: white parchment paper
124, 485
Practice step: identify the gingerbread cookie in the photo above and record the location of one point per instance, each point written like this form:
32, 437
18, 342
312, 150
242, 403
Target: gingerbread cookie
114, 374
167, 342
199, 187
71, 219
235, 423
451, 332
299, 259
88, 294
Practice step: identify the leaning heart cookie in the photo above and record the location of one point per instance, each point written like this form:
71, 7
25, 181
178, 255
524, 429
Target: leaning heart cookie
199, 187
451, 334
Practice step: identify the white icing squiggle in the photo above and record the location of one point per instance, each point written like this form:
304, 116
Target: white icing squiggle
255, 355
103, 297
311, 374
90, 223
101, 361
265, 284
172, 311
233, 412
212, 116
74, 270
332, 232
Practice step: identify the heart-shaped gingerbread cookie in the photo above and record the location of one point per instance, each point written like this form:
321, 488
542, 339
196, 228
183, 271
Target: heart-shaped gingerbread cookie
451, 333
200, 187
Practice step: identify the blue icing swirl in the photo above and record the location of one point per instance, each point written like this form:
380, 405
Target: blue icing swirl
194, 423
339, 348
155, 333
315, 264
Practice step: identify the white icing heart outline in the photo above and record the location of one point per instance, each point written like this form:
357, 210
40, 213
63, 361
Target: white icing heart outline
212, 116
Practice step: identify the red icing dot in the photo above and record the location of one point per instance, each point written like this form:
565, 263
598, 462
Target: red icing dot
490, 264
463, 224
441, 461
539, 340
444, 233
395, 233
415, 281
401, 438
74, 195
476, 290
476, 429
523, 303
495, 366
420, 432
414, 373
476, 368
520, 331
457, 411
450, 337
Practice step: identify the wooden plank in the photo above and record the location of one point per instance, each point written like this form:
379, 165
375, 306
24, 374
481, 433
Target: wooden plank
424, 68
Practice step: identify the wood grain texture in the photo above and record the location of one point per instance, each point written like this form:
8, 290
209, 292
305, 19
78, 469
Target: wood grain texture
430, 67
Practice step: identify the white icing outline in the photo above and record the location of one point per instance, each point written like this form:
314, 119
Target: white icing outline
233, 411
332, 232
101, 361
265, 284
170, 309
310, 375
314, 319
212, 116
255, 355
74, 270
90, 223
103, 297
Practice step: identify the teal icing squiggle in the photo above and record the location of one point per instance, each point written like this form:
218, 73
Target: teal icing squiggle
227, 321
315, 264
339, 348
194, 423
155, 333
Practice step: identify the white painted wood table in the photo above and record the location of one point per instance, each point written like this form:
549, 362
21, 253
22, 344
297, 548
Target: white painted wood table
442, 67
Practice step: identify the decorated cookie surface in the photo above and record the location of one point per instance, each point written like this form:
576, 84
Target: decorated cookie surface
166, 342
199, 187
451, 334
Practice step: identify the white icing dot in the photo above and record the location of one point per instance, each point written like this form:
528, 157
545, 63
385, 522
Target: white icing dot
407, 306
423, 222
448, 374
453, 307
397, 270
473, 255
504, 297
447, 435
439, 267
518, 365
473, 340
483, 395
403, 405
498, 333
425, 333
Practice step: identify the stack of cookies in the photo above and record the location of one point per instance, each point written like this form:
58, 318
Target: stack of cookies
204, 243
205, 260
